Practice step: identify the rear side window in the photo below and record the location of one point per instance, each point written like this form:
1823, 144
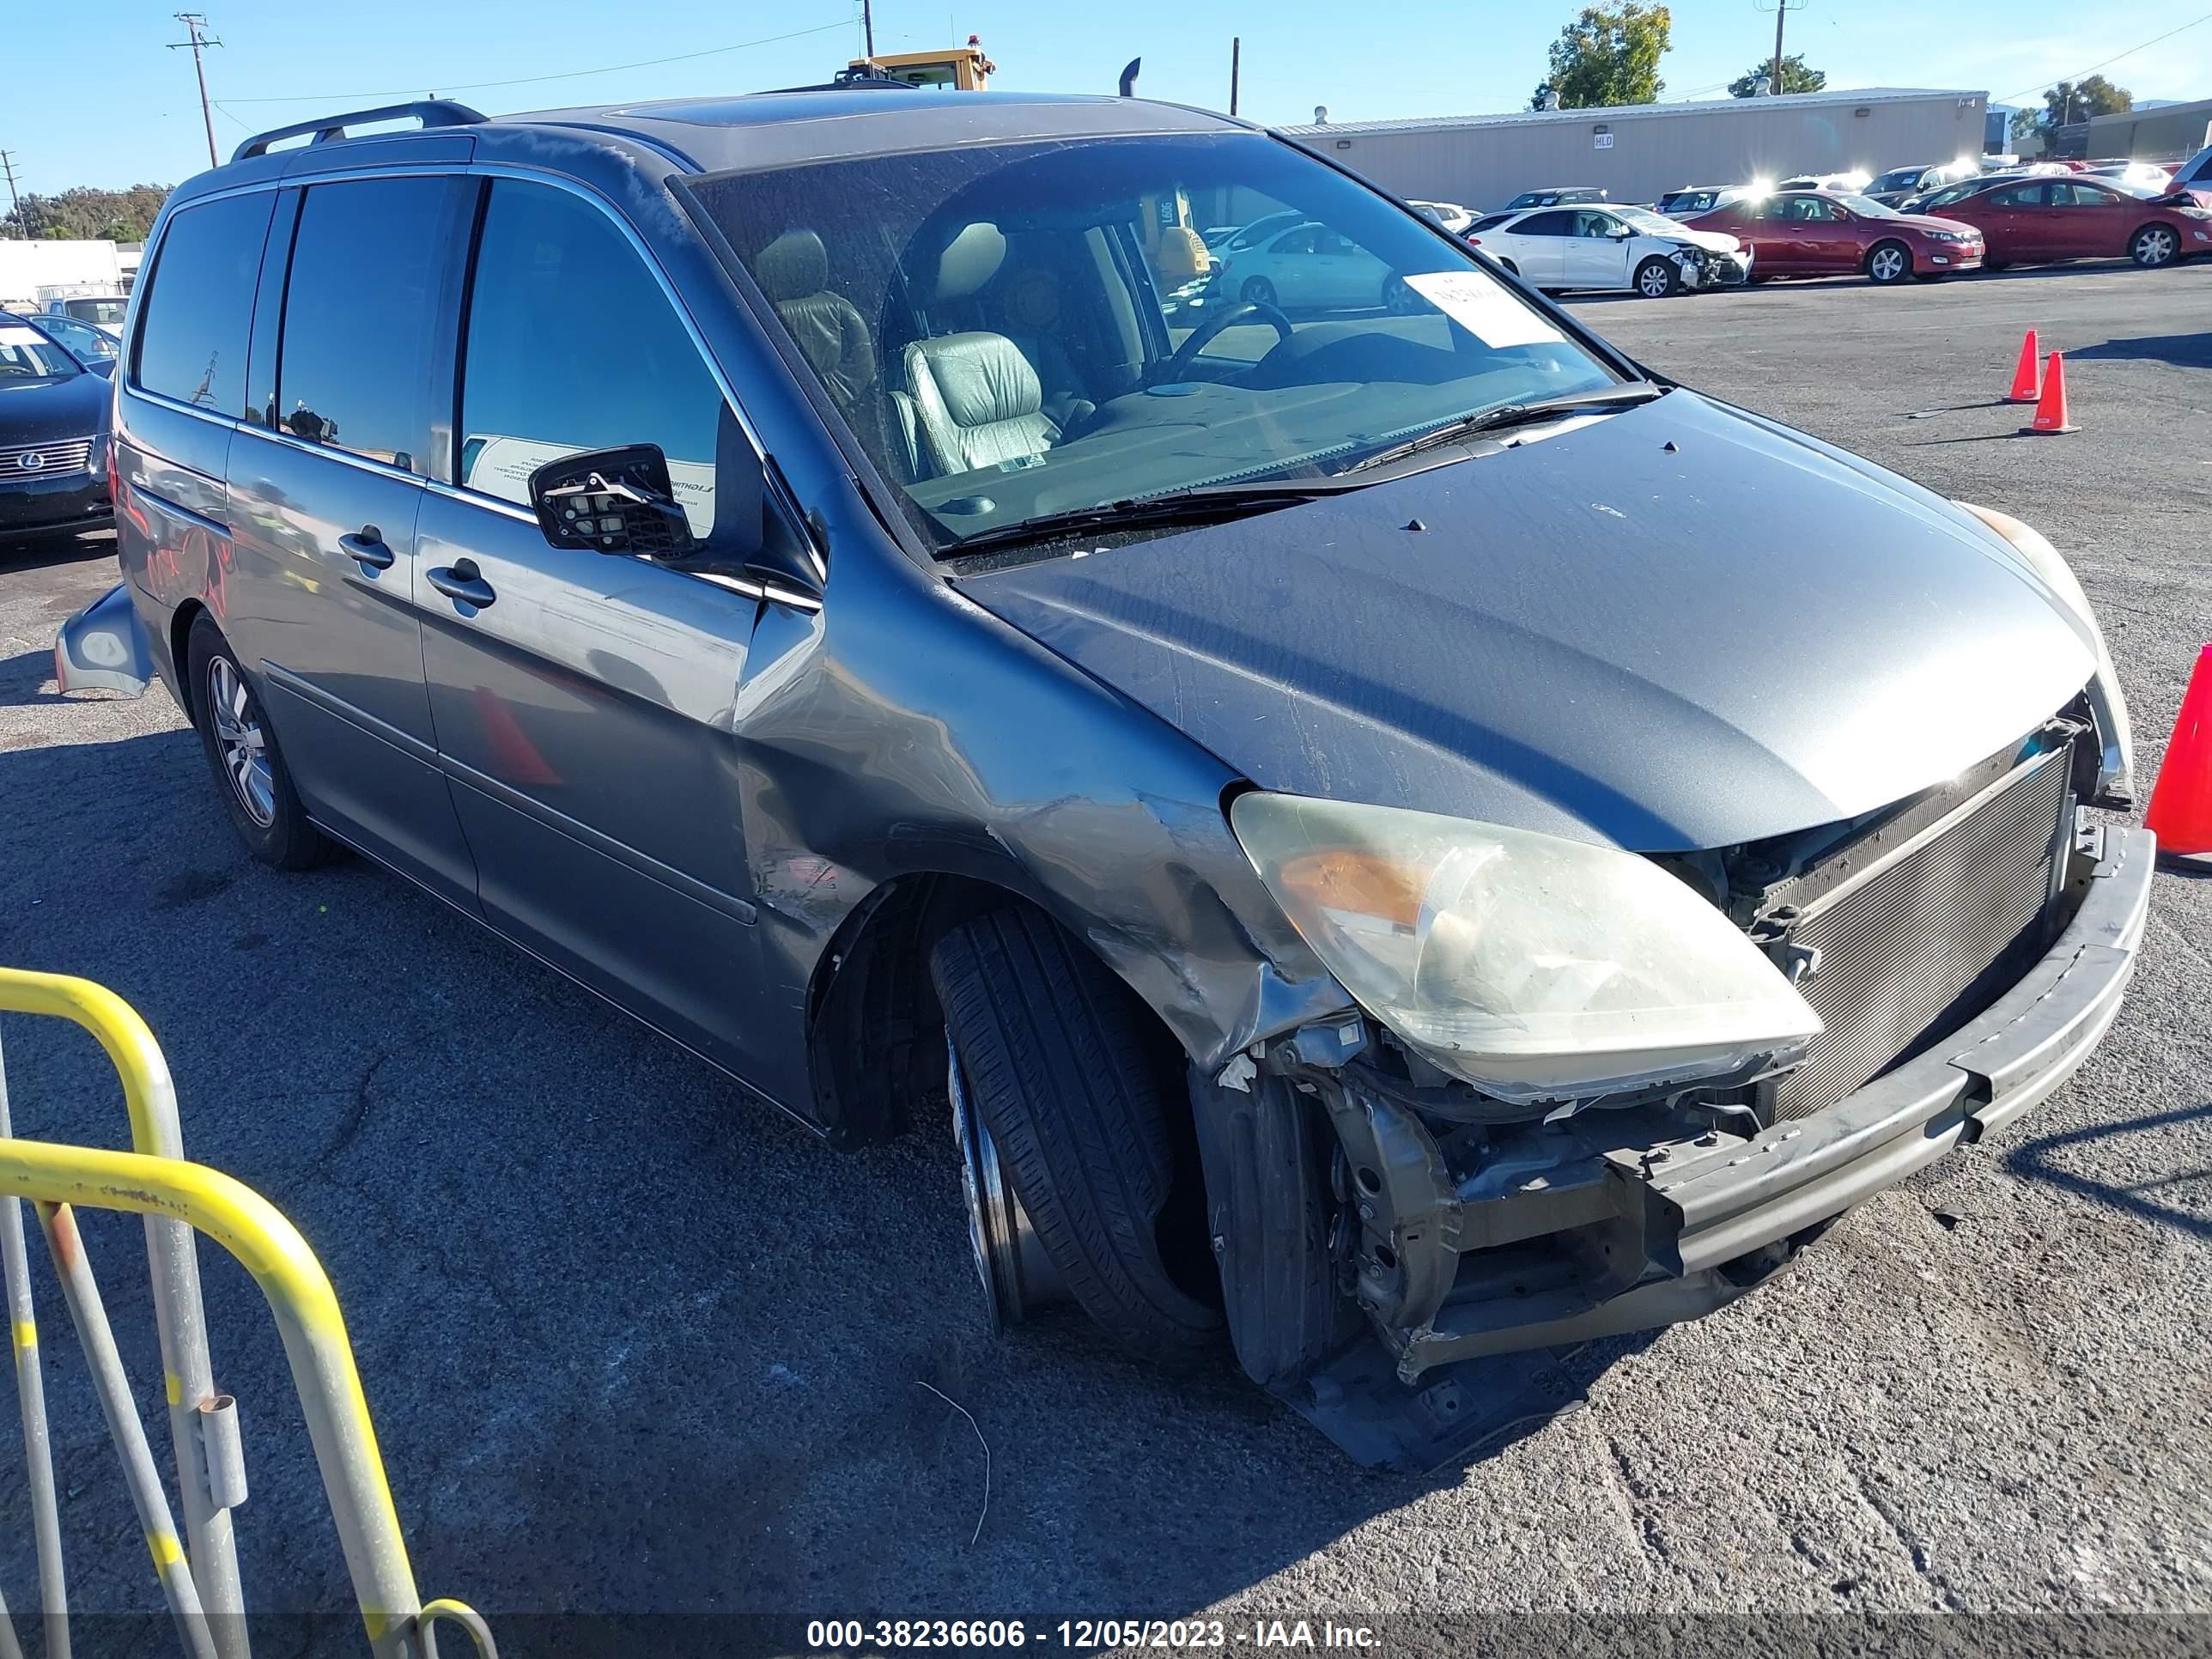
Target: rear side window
198, 312
361, 318
571, 345
1547, 224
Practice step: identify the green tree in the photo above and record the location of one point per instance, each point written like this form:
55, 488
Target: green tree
85, 214
1611, 57
1796, 77
2077, 100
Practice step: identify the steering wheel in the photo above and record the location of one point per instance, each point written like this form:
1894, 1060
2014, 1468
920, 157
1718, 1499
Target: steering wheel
1178, 366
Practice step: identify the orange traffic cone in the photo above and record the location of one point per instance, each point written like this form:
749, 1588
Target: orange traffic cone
2180, 812
2051, 407
2026, 381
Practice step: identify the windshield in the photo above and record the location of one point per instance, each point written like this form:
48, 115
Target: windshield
27, 355
1026, 329
1651, 224
1899, 179
108, 313
1866, 206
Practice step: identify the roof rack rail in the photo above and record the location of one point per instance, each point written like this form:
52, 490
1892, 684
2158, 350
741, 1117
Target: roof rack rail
431, 112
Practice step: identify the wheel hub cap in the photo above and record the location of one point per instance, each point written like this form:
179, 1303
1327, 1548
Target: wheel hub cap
241, 742
1018, 1277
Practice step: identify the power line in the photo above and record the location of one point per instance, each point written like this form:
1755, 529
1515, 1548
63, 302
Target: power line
533, 79
196, 27
2114, 59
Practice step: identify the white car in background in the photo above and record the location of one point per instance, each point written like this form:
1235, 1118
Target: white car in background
1308, 267
1612, 248
1449, 215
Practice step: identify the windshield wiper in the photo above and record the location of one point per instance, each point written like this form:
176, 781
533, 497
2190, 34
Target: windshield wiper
1216, 504
1509, 415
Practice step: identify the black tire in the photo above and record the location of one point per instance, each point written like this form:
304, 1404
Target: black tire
1929, 275
1257, 291
2154, 246
1657, 279
1268, 1205
1996, 264
1053, 1050
1508, 265
1885, 271
287, 840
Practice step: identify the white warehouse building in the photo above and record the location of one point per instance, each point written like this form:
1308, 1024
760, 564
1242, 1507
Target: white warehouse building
1638, 152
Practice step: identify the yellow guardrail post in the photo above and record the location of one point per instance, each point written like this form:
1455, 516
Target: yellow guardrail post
315, 1342
31, 1403
150, 1099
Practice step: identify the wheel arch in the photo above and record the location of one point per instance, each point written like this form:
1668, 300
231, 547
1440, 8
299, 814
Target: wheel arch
874, 1031
180, 636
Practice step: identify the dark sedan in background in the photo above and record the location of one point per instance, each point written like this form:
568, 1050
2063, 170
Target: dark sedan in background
53, 435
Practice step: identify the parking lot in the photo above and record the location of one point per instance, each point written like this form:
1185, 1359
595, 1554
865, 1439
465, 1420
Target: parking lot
637, 1348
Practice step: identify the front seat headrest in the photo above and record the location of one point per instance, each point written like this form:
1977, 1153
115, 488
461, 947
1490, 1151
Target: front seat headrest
792, 266
969, 260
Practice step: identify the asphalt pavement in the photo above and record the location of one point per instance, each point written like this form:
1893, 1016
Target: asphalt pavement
638, 1348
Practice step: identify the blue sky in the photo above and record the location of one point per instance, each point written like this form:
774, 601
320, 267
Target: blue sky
120, 108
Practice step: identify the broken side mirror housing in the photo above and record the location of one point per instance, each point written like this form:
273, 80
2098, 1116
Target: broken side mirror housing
611, 501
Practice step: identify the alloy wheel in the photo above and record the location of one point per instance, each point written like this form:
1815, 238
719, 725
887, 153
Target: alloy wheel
236, 717
2155, 245
1887, 264
1653, 283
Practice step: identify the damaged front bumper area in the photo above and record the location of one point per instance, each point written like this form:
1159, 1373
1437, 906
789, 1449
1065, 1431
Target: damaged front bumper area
1475, 1239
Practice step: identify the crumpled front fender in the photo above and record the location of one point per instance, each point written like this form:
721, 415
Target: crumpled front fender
104, 647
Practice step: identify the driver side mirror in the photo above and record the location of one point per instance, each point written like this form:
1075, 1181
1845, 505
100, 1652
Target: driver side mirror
611, 501
1621, 233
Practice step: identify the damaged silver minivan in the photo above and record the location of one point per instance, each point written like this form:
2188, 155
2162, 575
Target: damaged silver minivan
1396, 835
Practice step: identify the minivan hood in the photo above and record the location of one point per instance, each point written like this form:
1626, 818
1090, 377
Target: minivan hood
1681, 626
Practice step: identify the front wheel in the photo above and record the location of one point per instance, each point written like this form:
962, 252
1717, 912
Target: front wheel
242, 752
1889, 263
1996, 264
2154, 246
1657, 279
1258, 291
1079, 1119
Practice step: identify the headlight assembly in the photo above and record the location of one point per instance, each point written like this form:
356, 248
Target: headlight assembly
2117, 763
1535, 968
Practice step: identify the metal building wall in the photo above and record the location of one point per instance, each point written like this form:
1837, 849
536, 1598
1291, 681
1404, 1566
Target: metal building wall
1658, 148
2176, 130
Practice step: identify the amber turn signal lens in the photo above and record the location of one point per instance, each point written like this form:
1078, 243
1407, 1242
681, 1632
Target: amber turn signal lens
1344, 878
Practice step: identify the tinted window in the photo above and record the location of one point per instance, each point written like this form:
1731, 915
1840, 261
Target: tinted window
2018, 196
1546, 224
361, 318
199, 311
571, 345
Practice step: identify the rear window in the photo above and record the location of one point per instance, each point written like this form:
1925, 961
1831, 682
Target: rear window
199, 311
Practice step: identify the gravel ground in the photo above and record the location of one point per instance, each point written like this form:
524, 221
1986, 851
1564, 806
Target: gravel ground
638, 1348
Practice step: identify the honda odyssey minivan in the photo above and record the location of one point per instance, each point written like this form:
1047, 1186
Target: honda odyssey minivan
1375, 863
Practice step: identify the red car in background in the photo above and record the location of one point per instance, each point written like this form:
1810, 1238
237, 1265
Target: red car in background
2083, 217
1818, 233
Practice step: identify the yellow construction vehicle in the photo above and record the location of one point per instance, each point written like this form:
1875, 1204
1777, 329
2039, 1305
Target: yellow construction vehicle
964, 69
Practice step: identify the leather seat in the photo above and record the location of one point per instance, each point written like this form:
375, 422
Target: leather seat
793, 271
976, 402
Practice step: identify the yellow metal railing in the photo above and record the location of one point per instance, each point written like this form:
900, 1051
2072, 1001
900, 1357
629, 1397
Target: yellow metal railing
178, 1199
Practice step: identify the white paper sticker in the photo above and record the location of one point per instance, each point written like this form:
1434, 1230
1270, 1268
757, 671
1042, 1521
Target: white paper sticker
1485, 310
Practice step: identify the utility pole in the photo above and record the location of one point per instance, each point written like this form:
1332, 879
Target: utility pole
1782, 10
868, 27
1236, 63
196, 27
8, 167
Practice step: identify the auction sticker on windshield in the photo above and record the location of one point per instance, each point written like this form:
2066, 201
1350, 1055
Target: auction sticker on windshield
1478, 305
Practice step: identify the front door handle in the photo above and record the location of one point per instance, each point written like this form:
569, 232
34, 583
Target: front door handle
366, 547
463, 581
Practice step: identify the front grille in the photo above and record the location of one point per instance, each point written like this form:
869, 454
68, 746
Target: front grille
1923, 940
43, 460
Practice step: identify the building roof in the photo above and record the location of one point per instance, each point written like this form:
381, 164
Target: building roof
1635, 112
2153, 112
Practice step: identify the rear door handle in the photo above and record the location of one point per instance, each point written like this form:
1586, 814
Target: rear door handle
461, 580
366, 547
